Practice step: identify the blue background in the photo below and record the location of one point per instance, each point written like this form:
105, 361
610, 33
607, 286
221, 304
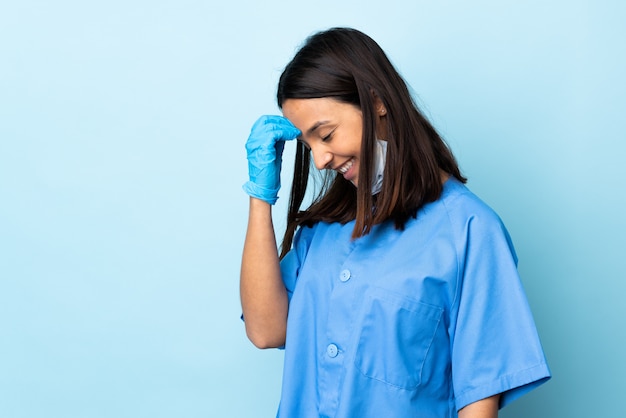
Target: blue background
122, 126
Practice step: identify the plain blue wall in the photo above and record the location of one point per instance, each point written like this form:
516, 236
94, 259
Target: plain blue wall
122, 126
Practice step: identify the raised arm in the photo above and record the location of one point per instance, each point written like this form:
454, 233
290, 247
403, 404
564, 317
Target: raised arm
263, 294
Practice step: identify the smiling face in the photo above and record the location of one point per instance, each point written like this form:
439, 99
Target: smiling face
332, 130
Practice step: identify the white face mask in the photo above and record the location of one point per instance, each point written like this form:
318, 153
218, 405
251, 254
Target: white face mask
380, 156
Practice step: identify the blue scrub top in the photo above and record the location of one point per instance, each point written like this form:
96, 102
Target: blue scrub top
412, 323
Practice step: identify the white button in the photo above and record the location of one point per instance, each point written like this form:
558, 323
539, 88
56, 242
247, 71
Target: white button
344, 276
332, 350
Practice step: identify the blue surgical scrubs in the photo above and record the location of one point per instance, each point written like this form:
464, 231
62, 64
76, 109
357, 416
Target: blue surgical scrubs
413, 323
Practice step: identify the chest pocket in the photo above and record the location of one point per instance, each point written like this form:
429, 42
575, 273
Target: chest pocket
396, 335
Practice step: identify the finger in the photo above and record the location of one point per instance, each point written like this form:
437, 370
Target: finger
275, 127
282, 122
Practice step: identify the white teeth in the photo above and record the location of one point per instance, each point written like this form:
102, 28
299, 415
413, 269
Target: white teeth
345, 167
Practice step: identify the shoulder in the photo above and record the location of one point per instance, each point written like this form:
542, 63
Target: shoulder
463, 207
305, 234
459, 200
471, 219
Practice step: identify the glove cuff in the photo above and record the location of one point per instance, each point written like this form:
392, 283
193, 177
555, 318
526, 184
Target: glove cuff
267, 195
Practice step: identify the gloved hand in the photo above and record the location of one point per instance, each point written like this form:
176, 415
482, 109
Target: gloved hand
265, 153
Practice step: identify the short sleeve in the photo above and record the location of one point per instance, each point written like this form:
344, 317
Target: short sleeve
495, 345
290, 264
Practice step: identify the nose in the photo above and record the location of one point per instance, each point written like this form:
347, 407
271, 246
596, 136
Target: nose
321, 157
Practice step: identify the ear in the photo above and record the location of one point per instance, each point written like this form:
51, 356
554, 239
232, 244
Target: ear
379, 106
381, 121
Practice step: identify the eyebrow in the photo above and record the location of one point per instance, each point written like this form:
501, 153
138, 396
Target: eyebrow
316, 125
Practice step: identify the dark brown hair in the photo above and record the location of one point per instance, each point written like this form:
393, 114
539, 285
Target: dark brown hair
346, 65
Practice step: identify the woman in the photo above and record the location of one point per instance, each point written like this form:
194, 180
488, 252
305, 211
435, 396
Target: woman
396, 293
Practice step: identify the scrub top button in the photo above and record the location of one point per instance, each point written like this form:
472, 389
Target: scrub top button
344, 276
332, 350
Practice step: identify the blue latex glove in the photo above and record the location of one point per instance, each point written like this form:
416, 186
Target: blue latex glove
265, 153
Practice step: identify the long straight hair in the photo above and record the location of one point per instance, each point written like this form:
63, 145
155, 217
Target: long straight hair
348, 66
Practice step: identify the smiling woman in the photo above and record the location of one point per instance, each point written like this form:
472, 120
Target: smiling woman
332, 131
397, 291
